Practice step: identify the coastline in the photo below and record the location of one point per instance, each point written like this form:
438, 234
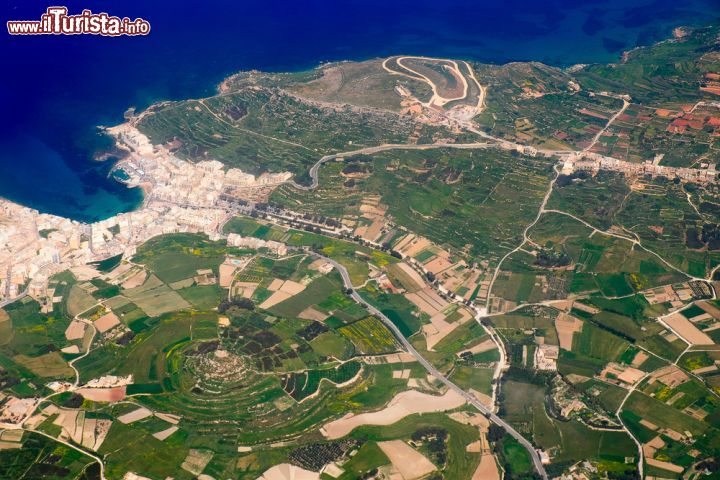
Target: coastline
183, 196
215, 87
132, 116
180, 197
477, 219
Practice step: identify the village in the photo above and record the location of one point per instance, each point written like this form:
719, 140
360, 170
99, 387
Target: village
180, 197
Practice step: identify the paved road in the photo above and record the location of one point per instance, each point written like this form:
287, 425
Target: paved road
14, 299
380, 148
74, 447
433, 371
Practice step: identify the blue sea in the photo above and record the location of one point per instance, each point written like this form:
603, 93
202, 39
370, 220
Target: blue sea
56, 90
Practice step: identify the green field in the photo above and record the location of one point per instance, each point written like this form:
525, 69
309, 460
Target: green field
369, 336
660, 414
453, 197
316, 292
302, 385
343, 252
524, 406
460, 464
41, 457
369, 457
250, 387
597, 343
396, 307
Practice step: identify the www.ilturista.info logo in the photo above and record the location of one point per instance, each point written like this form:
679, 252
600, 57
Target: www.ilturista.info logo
56, 21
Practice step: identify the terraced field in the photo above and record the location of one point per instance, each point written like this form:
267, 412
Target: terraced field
485, 241
256, 378
475, 199
302, 385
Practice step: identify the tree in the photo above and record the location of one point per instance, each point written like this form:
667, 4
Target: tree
239, 302
495, 433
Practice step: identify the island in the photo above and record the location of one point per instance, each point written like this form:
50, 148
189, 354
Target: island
406, 267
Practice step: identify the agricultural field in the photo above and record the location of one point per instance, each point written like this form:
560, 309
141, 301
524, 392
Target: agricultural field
30, 347
301, 385
396, 307
536, 105
521, 281
369, 336
41, 457
589, 261
597, 343
467, 355
271, 371
674, 136
445, 195
260, 129
580, 306
679, 413
657, 212
668, 224
353, 257
458, 463
524, 406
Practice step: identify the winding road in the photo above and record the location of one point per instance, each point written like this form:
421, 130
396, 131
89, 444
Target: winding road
313, 172
525, 239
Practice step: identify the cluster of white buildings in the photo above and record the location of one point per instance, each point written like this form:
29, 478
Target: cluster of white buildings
33, 245
178, 181
594, 162
546, 357
180, 197
235, 240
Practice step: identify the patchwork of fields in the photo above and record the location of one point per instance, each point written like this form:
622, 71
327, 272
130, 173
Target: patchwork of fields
484, 260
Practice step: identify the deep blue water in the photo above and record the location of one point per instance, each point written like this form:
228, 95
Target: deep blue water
55, 90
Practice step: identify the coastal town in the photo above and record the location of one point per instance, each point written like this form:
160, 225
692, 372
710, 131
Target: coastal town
463, 299
182, 196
